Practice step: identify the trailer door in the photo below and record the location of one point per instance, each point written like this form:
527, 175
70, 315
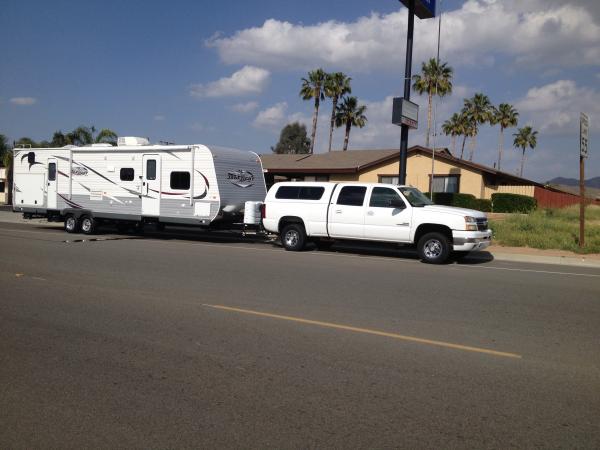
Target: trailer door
51, 184
151, 185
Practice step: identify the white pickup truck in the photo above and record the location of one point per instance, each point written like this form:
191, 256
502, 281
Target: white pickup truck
323, 212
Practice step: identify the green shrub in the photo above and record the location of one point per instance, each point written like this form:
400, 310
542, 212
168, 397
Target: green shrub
513, 203
482, 204
454, 199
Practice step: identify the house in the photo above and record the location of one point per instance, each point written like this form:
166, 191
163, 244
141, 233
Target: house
3, 186
450, 174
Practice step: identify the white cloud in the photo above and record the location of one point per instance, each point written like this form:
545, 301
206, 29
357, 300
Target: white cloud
554, 108
159, 117
23, 101
245, 107
530, 32
271, 118
248, 80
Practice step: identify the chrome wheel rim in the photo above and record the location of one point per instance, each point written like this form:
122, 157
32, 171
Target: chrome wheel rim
70, 223
291, 238
86, 225
432, 249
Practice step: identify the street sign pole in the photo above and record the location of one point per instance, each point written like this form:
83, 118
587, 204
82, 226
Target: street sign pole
584, 124
407, 79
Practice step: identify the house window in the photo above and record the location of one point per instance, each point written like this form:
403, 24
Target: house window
388, 179
445, 183
127, 174
316, 178
180, 180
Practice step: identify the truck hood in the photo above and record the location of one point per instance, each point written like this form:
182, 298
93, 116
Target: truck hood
454, 210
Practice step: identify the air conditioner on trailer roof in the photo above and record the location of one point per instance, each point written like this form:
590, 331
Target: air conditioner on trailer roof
132, 140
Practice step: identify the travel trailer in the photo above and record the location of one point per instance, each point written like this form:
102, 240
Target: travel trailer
136, 183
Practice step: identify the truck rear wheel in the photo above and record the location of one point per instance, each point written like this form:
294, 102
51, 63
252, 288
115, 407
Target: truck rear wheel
293, 237
433, 248
71, 224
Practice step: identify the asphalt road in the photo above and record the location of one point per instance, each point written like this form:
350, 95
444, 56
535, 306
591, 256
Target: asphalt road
217, 342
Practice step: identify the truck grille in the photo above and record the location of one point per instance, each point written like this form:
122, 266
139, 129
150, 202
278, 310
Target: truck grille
482, 224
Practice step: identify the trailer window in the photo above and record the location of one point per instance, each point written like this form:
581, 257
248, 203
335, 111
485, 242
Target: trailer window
180, 180
127, 174
352, 195
51, 171
151, 169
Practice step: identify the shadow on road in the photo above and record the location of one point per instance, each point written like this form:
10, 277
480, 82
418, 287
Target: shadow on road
107, 233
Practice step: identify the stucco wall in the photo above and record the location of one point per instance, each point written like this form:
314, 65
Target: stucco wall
521, 190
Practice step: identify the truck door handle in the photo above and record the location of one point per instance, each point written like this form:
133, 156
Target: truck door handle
338, 211
370, 213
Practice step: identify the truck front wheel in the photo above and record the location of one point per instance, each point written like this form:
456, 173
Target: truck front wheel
293, 237
433, 248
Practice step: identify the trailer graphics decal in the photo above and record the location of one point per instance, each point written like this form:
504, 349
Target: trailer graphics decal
241, 178
30, 159
79, 171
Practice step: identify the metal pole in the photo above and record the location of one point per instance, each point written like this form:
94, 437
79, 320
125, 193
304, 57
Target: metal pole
581, 202
435, 109
407, 79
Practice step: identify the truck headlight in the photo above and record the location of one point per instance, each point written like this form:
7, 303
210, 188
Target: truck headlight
470, 223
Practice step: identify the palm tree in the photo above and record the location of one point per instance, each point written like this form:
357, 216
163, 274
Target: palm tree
337, 85
478, 110
81, 136
435, 79
350, 114
506, 116
453, 127
525, 137
107, 136
312, 88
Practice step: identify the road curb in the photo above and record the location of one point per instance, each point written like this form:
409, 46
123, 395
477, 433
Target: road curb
581, 261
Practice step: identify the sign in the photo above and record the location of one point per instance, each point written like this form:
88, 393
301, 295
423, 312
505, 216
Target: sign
424, 9
405, 112
241, 178
584, 125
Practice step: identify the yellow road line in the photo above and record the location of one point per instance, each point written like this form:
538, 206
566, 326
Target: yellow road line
368, 331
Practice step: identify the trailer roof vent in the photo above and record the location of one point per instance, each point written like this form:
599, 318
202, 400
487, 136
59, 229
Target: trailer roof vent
132, 140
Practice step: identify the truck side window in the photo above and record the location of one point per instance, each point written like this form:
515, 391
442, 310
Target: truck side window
380, 197
352, 195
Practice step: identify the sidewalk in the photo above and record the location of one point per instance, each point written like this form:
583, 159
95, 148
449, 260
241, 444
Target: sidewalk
514, 254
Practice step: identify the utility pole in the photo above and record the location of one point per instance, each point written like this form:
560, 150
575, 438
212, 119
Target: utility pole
584, 125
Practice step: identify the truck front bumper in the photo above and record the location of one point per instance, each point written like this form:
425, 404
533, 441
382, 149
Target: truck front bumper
468, 241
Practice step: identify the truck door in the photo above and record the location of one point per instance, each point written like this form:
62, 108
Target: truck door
151, 185
51, 184
387, 216
347, 213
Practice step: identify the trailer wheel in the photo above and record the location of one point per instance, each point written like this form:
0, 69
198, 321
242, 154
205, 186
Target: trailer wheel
433, 248
293, 237
71, 224
88, 225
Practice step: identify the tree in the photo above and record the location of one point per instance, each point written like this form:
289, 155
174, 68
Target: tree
6, 157
81, 136
59, 139
506, 116
453, 127
26, 142
435, 79
350, 114
293, 139
478, 110
525, 137
312, 88
107, 136
337, 85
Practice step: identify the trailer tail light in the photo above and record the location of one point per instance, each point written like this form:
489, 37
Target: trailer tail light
263, 211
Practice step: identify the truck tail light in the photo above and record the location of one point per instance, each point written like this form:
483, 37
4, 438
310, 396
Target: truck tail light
263, 211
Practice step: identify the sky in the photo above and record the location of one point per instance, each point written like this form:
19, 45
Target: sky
229, 72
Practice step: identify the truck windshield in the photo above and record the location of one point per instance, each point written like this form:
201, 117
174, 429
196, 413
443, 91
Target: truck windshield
415, 197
